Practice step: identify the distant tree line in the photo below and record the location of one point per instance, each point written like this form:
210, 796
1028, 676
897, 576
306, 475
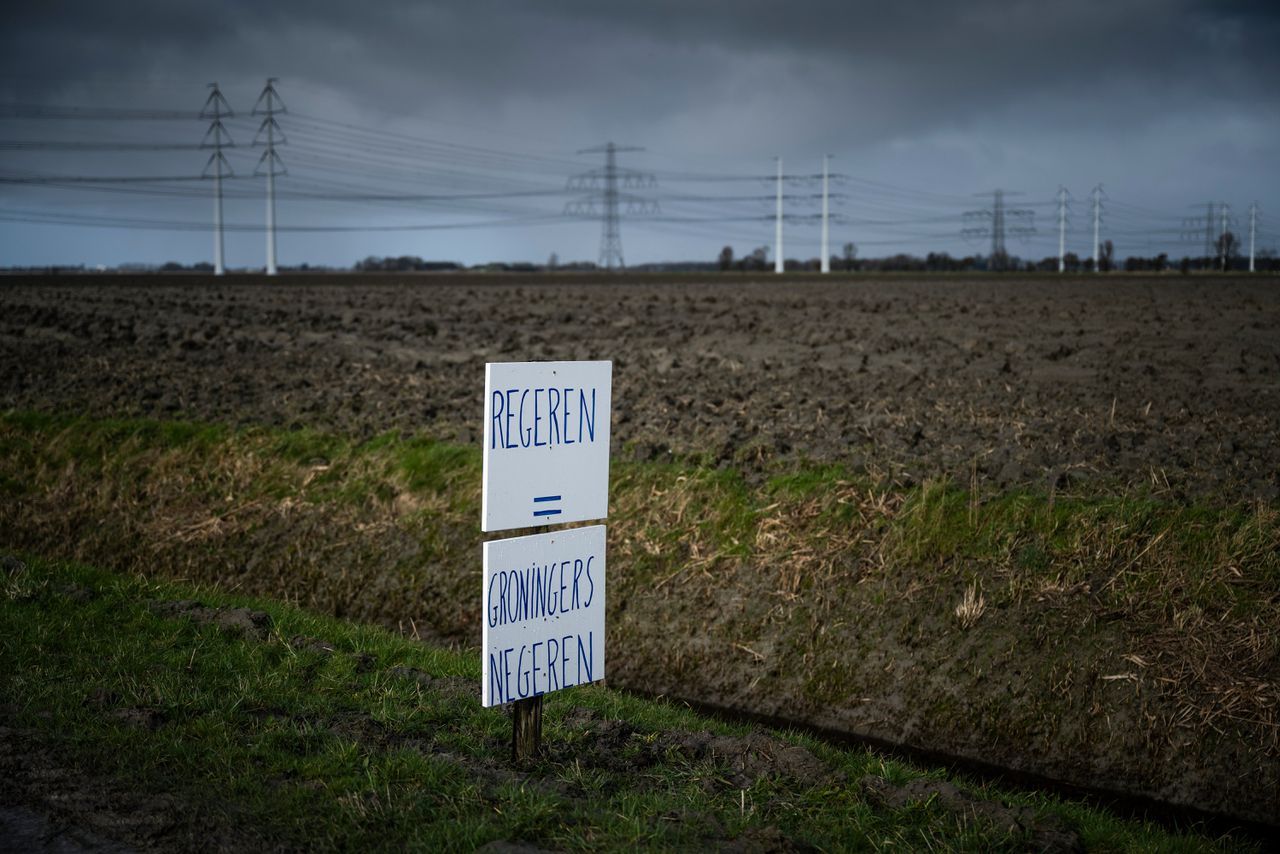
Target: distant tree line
414, 264
1227, 259
402, 264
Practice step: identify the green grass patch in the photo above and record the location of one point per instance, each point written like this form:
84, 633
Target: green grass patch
429, 465
310, 732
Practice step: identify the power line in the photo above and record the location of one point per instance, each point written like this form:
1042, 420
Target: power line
347, 165
63, 145
46, 111
96, 220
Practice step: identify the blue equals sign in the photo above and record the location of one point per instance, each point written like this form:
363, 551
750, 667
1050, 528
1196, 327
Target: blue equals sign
546, 511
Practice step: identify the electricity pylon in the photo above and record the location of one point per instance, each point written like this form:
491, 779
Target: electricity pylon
1253, 232
268, 104
1064, 202
1014, 222
826, 231
1097, 225
1225, 214
779, 265
603, 184
1203, 228
214, 109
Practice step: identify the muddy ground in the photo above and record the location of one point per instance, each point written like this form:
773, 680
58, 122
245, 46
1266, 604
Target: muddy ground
1022, 381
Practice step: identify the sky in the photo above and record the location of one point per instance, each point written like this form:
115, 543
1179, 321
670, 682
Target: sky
452, 130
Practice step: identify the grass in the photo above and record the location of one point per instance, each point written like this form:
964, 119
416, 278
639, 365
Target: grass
324, 734
814, 584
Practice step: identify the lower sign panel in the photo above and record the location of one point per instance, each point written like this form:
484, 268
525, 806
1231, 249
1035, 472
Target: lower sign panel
543, 601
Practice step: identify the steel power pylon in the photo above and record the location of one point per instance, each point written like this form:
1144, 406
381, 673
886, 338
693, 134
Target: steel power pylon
1253, 232
1212, 228
1223, 248
1013, 222
779, 262
215, 108
1097, 196
1064, 206
826, 214
1195, 228
268, 104
603, 185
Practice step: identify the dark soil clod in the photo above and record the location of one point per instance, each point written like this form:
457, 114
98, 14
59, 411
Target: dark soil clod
242, 621
302, 643
747, 758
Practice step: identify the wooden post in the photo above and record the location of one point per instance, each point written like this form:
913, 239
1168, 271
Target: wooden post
526, 716
526, 729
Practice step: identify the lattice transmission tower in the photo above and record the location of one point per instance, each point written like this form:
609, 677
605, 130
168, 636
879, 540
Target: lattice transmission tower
1253, 232
608, 186
1064, 216
267, 106
1215, 229
215, 110
997, 223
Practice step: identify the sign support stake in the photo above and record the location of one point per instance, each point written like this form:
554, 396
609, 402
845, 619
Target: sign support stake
526, 729
526, 719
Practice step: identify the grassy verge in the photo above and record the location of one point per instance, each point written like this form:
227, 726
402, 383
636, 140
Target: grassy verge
248, 723
1127, 638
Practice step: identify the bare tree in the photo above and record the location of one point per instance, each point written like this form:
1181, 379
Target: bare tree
726, 258
1106, 261
850, 255
1228, 246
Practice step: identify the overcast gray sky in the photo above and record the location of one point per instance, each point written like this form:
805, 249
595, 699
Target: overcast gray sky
922, 104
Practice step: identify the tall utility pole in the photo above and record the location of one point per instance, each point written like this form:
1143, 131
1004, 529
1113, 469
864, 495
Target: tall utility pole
1063, 195
611, 238
999, 217
1209, 250
826, 231
1253, 231
1207, 228
214, 109
997, 227
267, 106
778, 265
604, 184
1224, 213
1097, 226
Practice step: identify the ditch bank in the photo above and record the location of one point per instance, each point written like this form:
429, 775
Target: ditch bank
211, 721
1120, 644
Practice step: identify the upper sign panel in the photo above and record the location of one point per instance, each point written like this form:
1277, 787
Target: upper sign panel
546, 443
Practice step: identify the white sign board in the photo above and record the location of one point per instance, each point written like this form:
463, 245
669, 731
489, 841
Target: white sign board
546, 443
543, 624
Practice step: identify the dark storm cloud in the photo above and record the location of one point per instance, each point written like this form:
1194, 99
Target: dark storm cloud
907, 65
1174, 96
